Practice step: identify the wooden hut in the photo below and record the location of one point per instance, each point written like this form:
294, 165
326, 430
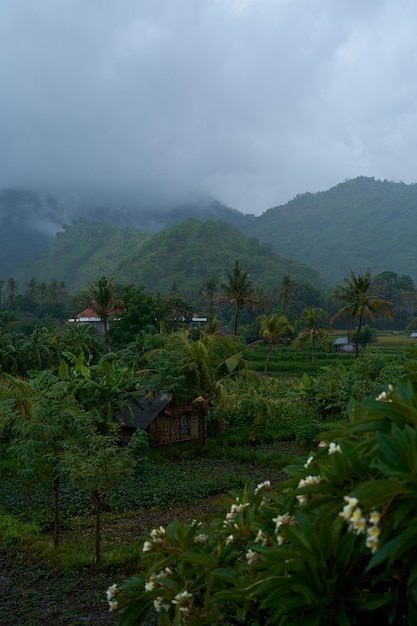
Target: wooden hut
163, 420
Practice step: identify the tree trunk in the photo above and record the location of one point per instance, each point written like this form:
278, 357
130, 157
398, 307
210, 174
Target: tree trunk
237, 318
357, 337
98, 503
268, 358
56, 510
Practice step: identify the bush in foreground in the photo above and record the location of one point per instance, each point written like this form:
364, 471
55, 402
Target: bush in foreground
336, 543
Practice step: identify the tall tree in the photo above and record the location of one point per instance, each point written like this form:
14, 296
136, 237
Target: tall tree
271, 329
103, 299
97, 465
210, 290
238, 290
361, 298
32, 290
12, 288
287, 291
312, 330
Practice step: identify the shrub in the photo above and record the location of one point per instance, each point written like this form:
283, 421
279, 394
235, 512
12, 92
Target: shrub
336, 543
13, 530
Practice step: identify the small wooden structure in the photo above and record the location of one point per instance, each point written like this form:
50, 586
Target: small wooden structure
342, 345
164, 421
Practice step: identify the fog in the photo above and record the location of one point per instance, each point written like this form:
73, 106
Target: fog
163, 101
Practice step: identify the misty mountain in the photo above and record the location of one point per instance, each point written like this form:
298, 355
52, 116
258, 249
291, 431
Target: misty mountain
29, 220
359, 224
179, 258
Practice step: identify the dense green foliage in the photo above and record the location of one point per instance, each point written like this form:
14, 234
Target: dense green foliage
335, 543
184, 255
361, 223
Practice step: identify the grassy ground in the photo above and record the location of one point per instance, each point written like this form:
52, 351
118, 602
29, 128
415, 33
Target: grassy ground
46, 587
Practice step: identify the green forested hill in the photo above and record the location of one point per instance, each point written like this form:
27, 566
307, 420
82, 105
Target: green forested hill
82, 253
359, 224
192, 251
182, 256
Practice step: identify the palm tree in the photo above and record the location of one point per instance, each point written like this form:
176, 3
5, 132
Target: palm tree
272, 328
209, 289
311, 330
287, 291
12, 288
32, 290
103, 300
238, 290
361, 298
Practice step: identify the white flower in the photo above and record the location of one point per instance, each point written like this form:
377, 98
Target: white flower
152, 583
309, 480
348, 509
309, 461
229, 539
157, 533
264, 485
147, 546
261, 537
372, 538
113, 604
333, 447
384, 396
252, 557
357, 521
160, 605
286, 518
302, 499
111, 594
201, 538
182, 599
323, 444
234, 510
374, 518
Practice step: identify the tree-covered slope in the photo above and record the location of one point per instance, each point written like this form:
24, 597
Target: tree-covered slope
359, 224
82, 253
192, 251
182, 256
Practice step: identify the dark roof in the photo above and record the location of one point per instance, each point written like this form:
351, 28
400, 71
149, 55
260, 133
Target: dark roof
142, 415
340, 341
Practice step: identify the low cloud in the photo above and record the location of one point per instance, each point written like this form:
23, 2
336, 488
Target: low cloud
249, 101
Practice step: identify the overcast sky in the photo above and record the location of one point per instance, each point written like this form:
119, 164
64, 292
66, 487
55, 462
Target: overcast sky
249, 101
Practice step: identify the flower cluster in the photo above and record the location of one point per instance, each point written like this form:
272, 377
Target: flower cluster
239, 507
252, 557
262, 538
306, 482
159, 604
361, 525
183, 600
155, 579
157, 538
279, 521
385, 395
264, 485
111, 594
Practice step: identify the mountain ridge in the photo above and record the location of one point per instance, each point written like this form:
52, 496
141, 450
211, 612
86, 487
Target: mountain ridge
361, 223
